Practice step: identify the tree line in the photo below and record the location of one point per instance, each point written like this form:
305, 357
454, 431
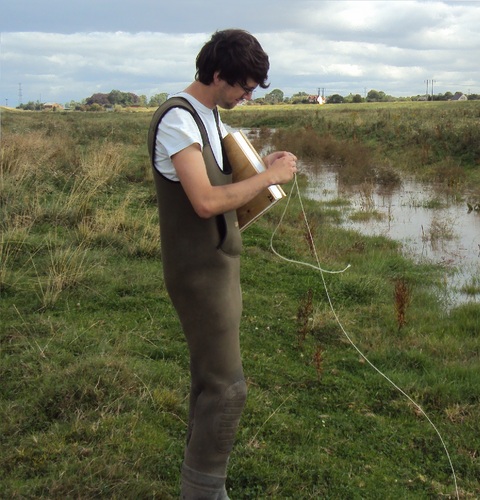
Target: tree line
277, 97
117, 99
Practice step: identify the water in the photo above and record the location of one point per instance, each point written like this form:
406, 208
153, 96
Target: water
429, 222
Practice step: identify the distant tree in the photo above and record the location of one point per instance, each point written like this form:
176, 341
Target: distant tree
257, 100
71, 104
378, 96
115, 97
95, 107
357, 98
157, 99
123, 98
299, 98
132, 99
335, 99
99, 98
373, 96
31, 106
274, 97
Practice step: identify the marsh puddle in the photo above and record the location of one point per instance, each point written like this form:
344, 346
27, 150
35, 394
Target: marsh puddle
431, 225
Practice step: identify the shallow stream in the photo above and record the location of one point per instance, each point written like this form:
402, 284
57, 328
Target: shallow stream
430, 223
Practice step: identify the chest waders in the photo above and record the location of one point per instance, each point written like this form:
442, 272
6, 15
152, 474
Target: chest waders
201, 266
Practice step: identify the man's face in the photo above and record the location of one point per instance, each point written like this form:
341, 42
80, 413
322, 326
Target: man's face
231, 95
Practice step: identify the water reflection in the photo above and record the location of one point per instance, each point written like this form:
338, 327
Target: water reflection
431, 224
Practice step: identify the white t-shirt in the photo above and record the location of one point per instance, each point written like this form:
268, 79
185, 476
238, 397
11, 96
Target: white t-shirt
178, 130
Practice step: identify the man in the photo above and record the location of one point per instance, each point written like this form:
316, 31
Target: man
201, 244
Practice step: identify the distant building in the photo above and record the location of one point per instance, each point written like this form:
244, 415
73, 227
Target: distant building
52, 106
316, 99
459, 97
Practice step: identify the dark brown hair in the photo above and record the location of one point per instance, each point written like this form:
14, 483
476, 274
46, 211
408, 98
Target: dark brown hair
236, 55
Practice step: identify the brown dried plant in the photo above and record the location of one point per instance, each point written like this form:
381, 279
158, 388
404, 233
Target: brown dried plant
309, 234
318, 360
402, 296
304, 313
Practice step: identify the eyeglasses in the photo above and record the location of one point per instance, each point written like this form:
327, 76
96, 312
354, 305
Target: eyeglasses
247, 90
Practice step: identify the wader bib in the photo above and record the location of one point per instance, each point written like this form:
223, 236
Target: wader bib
201, 266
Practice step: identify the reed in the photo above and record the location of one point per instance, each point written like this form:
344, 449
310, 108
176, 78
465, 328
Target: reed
304, 316
438, 231
473, 287
401, 301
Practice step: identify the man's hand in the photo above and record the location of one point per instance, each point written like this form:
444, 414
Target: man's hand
208, 200
282, 166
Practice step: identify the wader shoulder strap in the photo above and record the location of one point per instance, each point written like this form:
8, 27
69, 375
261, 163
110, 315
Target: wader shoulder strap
163, 109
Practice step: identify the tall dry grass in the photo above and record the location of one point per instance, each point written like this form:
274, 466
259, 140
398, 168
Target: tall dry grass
67, 268
46, 178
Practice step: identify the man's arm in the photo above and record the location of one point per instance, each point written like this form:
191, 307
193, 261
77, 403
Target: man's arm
208, 200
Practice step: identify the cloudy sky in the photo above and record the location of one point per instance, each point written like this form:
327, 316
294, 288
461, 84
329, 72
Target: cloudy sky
57, 50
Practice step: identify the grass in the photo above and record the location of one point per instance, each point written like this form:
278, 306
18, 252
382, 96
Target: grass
433, 140
94, 367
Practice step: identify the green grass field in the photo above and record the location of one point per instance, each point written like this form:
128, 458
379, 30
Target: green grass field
94, 367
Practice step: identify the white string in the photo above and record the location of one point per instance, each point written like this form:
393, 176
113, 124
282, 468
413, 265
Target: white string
317, 267
322, 271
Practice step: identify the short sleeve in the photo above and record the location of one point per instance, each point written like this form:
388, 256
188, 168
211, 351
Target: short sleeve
177, 131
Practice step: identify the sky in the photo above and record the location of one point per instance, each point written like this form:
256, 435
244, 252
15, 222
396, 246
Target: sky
59, 51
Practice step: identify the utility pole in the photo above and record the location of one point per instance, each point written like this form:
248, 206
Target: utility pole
433, 81
426, 92
20, 94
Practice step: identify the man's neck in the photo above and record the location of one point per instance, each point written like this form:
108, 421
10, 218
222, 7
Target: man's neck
202, 93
